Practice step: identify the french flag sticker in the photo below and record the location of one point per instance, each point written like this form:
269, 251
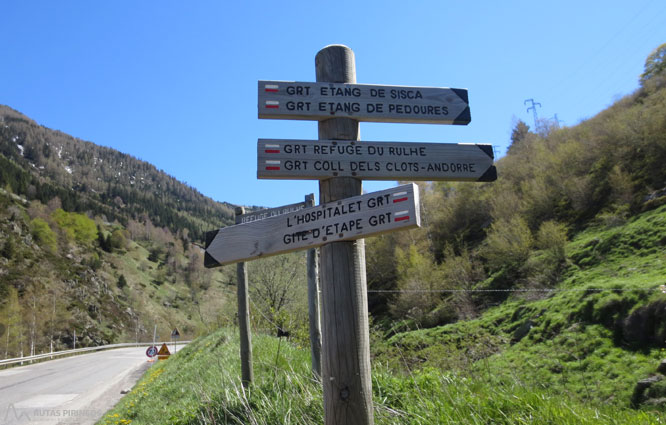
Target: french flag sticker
272, 104
271, 88
272, 148
399, 197
272, 165
401, 216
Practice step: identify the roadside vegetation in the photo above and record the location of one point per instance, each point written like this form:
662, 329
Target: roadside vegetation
201, 385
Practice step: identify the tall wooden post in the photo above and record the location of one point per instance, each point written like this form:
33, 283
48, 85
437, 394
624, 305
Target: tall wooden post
313, 302
346, 343
247, 375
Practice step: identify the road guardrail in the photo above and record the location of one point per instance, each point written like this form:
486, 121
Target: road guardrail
83, 350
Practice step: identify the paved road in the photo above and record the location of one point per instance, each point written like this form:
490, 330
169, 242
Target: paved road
73, 390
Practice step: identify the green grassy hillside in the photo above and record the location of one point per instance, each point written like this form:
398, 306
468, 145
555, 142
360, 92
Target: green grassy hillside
591, 338
568, 355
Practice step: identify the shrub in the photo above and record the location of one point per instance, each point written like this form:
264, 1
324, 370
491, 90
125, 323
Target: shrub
117, 239
76, 226
508, 243
122, 282
418, 276
43, 234
551, 239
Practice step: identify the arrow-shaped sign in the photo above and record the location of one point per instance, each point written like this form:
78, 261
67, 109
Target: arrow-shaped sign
363, 102
323, 159
351, 218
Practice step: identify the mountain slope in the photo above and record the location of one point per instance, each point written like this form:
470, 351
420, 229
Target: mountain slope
100, 180
98, 244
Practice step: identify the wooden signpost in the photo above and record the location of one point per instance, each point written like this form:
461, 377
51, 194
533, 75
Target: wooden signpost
291, 100
347, 219
314, 315
340, 162
247, 372
243, 297
323, 159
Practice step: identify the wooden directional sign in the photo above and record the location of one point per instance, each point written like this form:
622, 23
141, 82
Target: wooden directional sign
323, 159
363, 102
351, 218
269, 212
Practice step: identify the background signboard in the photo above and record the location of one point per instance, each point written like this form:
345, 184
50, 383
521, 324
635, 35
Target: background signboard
347, 219
362, 102
269, 212
322, 159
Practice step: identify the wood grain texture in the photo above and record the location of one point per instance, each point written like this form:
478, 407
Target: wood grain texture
247, 371
323, 159
346, 375
314, 311
347, 219
362, 102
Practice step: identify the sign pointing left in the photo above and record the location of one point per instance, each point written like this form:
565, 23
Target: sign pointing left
347, 219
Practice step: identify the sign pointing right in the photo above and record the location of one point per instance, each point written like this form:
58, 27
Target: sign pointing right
323, 159
292, 100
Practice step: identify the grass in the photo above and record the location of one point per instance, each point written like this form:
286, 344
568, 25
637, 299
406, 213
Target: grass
576, 362
201, 385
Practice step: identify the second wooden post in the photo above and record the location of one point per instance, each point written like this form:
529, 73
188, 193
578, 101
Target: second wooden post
247, 374
346, 375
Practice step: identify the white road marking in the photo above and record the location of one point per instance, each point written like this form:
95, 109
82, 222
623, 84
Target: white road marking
45, 400
10, 372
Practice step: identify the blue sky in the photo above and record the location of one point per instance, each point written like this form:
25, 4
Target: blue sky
175, 83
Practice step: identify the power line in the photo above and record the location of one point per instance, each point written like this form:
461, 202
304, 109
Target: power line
661, 288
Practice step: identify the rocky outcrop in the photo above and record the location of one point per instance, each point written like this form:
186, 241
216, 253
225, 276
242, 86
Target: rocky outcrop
651, 391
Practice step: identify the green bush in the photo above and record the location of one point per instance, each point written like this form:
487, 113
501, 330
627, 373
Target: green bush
508, 243
8, 249
76, 226
552, 238
118, 239
43, 234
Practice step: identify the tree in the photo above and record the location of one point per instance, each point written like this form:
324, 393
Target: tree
76, 226
103, 240
11, 316
155, 254
419, 279
462, 272
278, 284
655, 64
122, 282
43, 234
117, 239
9, 249
518, 135
508, 243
